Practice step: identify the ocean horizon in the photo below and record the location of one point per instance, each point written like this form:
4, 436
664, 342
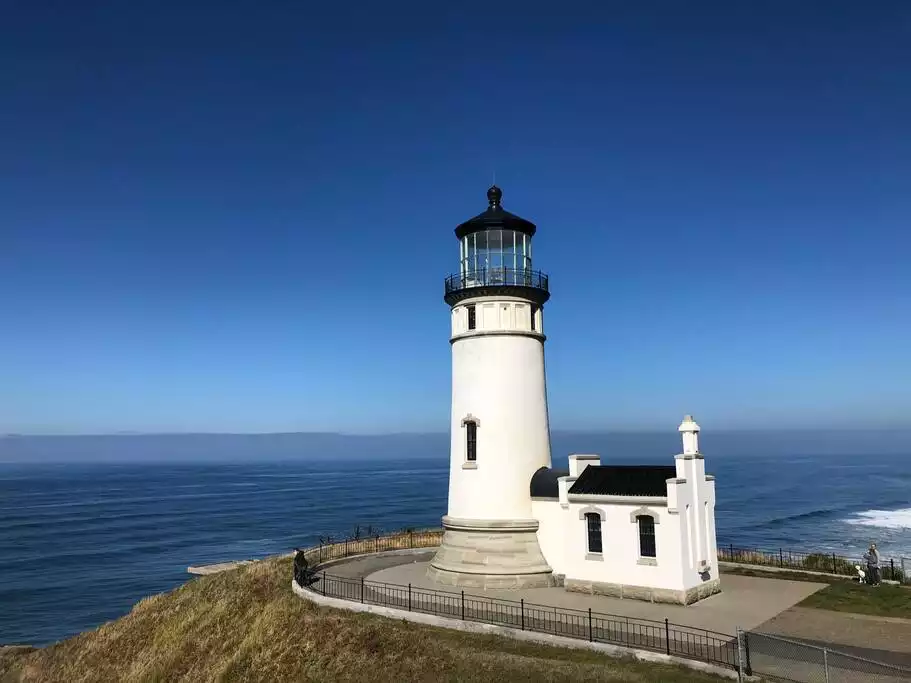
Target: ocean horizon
89, 525
225, 446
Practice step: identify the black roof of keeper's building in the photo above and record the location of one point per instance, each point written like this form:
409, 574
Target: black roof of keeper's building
624, 480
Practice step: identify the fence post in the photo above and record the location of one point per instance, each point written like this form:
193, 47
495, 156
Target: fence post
780, 558
834, 566
667, 636
740, 656
321, 550
362, 589
589, 624
825, 662
346, 547
892, 564
731, 558
409, 597
746, 651
324, 582
522, 609
411, 539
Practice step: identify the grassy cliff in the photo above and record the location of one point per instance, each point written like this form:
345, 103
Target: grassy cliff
246, 625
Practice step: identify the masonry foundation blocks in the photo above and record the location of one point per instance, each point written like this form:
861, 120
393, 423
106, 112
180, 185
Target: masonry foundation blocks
490, 554
631, 592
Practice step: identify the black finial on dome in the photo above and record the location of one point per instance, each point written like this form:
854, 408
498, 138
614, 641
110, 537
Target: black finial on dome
494, 195
495, 217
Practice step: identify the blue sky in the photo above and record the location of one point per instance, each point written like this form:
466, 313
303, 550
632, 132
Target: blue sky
238, 216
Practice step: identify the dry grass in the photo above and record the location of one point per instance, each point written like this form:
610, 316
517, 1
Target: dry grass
246, 625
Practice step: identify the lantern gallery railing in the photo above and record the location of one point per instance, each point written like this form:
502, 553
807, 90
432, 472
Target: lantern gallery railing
495, 277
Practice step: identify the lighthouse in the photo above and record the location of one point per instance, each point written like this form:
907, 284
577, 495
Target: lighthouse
499, 424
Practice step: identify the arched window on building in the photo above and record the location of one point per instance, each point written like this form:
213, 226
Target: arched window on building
647, 546
471, 440
593, 523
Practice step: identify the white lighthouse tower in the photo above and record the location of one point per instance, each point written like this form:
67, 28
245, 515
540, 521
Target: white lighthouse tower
499, 427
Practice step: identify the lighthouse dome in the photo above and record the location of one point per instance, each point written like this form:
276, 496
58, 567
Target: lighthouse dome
495, 218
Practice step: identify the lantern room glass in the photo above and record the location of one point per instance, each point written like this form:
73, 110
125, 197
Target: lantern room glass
496, 256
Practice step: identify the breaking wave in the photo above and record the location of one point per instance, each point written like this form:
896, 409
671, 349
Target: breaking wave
788, 519
886, 519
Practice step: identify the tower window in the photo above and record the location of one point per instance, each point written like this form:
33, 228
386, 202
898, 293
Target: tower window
534, 313
471, 317
471, 441
646, 536
593, 524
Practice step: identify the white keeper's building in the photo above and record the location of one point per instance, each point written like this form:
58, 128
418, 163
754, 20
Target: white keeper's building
634, 531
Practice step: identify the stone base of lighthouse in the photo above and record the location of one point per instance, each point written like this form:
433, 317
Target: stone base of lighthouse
478, 553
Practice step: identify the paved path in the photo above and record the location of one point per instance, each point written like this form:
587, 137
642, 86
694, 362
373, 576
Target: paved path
744, 601
791, 661
748, 602
369, 564
858, 634
206, 569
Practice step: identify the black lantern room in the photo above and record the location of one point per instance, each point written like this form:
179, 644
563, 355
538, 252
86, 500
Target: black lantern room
495, 256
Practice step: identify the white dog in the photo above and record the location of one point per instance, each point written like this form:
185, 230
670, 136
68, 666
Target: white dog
861, 574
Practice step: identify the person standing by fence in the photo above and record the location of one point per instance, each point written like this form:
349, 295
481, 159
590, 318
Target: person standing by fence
872, 559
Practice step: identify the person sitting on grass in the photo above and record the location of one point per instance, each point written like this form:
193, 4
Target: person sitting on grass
872, 560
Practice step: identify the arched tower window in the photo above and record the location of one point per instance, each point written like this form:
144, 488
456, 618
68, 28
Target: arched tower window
471, 424
593, 523
471, 441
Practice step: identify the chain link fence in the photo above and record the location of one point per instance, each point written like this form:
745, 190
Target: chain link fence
784, 659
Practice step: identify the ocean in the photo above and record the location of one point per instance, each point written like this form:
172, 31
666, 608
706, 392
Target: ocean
81, 542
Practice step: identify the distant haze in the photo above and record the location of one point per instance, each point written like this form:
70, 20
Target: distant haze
616, 447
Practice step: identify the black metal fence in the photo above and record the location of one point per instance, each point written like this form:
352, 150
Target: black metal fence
659, 636
830, 563
770, 656
360, 544
372, 540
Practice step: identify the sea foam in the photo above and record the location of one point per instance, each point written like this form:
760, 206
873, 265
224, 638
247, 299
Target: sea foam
886, 519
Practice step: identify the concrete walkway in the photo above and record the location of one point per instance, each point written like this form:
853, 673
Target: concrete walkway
887, 640
744, 601
754, 604
218, 567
